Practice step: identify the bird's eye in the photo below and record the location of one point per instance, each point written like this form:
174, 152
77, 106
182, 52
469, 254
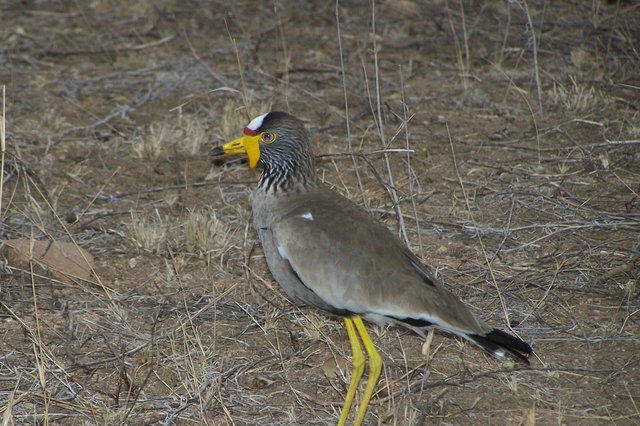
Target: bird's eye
268, 137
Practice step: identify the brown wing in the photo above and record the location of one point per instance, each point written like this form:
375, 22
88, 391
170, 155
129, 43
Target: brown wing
354, 263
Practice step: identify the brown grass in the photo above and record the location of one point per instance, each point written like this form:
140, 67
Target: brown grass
112, 106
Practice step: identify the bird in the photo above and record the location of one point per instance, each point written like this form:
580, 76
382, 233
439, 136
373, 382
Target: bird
327, 252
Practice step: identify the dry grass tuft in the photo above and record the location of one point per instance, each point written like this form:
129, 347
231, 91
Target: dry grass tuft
204, 233
188, 136
193, 135
534, 224
199, 232
577, 97
152, 144
230, 121
151, 232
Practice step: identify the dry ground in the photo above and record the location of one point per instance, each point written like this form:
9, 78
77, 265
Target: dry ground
521, 188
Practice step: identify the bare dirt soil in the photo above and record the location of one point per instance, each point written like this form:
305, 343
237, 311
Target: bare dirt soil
512, 131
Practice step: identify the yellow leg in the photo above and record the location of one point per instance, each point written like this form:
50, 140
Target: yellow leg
356, 373
426, 347
375, 366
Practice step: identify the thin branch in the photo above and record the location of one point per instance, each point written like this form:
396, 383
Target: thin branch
346, 105
380, 123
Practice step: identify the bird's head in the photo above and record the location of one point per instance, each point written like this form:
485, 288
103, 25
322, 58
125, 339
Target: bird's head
274, 140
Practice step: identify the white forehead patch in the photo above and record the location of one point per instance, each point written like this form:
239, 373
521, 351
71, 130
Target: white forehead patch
256, 123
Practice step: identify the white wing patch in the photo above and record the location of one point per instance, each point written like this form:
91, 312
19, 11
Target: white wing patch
256, 123
307, 216
283, 253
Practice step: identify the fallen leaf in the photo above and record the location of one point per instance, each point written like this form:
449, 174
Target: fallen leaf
64, 260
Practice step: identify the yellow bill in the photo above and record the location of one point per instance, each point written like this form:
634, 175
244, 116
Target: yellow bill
248, 144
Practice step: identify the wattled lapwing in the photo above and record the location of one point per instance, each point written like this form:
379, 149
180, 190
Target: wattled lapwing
327, 252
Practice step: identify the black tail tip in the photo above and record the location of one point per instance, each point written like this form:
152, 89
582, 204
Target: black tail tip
499, 343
